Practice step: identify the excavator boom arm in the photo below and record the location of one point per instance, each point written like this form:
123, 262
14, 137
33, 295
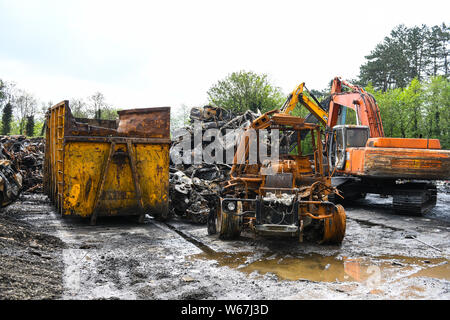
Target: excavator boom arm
298, 96
363, 103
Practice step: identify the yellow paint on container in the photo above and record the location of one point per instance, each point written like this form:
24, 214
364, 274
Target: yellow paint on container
92, 171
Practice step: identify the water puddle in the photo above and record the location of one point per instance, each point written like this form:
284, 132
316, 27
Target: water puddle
441, 271
316, 267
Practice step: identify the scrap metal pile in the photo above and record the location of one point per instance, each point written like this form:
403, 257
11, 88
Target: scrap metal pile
195, 187
20, 166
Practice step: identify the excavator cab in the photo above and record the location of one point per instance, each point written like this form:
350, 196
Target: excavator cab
343, 137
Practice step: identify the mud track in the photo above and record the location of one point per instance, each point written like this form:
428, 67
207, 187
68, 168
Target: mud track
383, 256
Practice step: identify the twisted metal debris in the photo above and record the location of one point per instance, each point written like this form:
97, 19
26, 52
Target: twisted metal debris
21, 161
195, 187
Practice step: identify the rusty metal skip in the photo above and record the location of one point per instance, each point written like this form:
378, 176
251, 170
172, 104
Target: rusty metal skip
116, 168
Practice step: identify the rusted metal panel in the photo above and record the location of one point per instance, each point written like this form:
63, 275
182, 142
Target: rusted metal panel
400, 163
116, 139
411, 143
284, 119
355, 160
94, 171
149, 122
111, 124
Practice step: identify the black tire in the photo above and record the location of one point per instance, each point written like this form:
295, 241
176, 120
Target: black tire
229, 225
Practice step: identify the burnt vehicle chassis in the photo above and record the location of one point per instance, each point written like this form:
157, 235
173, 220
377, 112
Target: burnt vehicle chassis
287, 196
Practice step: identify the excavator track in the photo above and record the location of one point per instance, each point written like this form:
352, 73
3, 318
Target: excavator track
412, 198
416, 201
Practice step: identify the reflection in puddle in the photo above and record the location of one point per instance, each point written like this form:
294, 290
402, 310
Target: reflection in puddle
441, 271
315, 267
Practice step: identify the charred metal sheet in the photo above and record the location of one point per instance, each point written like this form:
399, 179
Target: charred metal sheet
412, 164
149, 122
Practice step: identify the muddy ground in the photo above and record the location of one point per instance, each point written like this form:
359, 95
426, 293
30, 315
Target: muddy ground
383, 256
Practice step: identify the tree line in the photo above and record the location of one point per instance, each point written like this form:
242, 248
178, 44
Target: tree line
94, 106
420, 110
408, 73
22, 113
239, 91
19, 109
417, 52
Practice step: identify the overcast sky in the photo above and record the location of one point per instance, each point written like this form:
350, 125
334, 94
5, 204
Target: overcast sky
167, 53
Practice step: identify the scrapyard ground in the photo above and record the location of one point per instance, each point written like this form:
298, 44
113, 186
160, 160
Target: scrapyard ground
383, 256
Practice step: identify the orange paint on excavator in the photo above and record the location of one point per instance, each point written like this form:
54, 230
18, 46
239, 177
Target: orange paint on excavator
373, 163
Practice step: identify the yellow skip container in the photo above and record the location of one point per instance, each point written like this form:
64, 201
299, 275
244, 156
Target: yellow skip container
108, 168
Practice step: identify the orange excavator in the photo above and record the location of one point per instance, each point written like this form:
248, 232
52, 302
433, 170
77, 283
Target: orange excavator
362, 160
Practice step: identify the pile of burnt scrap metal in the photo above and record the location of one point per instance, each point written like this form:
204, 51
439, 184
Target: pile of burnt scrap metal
443, 186
195, 184
20, 166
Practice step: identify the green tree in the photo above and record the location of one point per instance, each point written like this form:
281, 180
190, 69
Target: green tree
391, 110
387, 65
246, 90
79, 108
434, 46
98, 108
443, 55
29, 128
422, 109
26, 105
39, 128
109, 113
96, 104
405, 54
2, 92
6, 118
417, 51
437, 110
412, 99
